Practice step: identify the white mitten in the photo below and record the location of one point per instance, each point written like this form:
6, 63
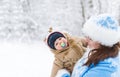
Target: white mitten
63, 73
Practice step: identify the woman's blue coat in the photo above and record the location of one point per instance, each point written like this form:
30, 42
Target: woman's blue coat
109, 67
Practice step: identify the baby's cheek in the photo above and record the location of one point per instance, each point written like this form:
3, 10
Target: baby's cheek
58, 47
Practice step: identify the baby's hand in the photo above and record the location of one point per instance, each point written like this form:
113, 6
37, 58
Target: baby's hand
63, 73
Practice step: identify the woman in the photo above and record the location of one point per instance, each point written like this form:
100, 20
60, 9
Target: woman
102, 57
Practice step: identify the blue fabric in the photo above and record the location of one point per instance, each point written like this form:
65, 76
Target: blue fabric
66, 75
107, 22
110, 67
103, 69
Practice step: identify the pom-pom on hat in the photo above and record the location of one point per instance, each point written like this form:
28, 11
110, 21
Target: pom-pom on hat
52, 38
103, 29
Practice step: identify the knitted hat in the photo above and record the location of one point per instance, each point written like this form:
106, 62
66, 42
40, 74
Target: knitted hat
52, 38
103, 29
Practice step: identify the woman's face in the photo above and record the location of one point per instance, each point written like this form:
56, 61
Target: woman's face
61, 43
92, 44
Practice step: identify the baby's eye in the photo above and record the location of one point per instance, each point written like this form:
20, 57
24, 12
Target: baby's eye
56, 44
60, 38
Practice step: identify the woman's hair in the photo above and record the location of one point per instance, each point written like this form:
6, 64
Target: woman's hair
102, 53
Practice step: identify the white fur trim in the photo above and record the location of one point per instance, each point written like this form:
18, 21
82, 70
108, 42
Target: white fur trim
61, 72
103, 35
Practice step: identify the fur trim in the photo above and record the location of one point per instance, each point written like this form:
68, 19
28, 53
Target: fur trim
63, 73
106, 35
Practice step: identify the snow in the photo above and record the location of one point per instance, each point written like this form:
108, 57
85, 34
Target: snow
29, 21
25, 60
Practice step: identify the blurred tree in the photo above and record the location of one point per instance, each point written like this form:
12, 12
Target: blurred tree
30, 20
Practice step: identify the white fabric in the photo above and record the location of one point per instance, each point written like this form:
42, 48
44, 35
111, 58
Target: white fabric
105, 31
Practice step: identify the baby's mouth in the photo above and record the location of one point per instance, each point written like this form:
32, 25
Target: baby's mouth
63, 44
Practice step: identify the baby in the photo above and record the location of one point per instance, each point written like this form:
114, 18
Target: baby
67, 50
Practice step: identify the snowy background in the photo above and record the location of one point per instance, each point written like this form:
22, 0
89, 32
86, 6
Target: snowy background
23, 60
25, 23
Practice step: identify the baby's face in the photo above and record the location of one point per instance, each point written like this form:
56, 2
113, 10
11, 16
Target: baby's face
61, 43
